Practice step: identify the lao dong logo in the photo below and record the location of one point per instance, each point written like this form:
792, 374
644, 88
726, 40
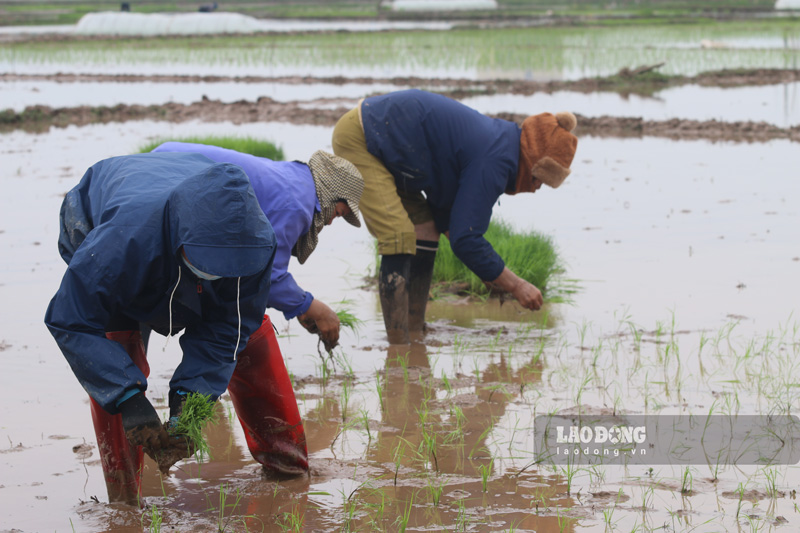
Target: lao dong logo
602, 435
600, 441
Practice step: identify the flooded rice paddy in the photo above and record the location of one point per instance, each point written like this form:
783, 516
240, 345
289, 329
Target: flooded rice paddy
681, 264
513, 53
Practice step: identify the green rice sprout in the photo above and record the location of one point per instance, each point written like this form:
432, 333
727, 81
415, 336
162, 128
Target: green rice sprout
156, 519
530, 255
245, 145
347, 319
198, 410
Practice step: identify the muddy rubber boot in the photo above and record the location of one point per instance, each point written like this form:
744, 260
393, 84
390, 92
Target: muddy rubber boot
121, 461
265, 404
420, 275
393, 290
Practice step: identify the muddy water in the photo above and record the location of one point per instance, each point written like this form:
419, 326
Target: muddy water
775, 104
18, 95
683, 240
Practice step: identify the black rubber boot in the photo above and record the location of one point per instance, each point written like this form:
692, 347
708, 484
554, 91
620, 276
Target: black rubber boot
393, 290
420, 274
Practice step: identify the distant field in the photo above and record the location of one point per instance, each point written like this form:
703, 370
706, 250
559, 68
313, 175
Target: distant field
20, 12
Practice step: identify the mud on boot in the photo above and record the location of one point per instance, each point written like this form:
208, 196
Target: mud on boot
420, 275
393, 289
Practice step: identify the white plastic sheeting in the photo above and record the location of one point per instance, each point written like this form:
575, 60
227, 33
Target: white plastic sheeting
442, 5
121, 23
787, 4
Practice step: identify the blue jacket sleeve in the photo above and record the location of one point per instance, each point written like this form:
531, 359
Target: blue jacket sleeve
469, 220
90, 291
284, 294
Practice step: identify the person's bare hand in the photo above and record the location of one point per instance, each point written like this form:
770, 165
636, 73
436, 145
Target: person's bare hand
528, 296
308, 323
325, 323
525, 293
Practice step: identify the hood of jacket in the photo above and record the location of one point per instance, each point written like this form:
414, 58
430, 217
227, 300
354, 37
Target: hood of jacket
224, 233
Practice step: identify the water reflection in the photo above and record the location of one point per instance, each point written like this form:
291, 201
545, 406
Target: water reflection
777, 104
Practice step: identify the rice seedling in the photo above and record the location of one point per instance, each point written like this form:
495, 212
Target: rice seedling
446, 384
376, 511
345, 398
347, 319
402, 360
365, 421
462, 518
531, 255
290, 521
456, 436
771, 476
197, 411
485, 471
350, 507
435, 490
397, 457
686, 481
156, 519
403, 519
569, 470
247, 145
478, 446
430, 445
563, 521
345, 363
647, 497
224, 522
379, 389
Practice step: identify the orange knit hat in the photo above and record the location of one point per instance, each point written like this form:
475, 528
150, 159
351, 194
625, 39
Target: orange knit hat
546, 150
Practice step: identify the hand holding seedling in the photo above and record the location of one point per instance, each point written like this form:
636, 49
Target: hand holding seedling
321, 319
185, 431
528, 296
525, 293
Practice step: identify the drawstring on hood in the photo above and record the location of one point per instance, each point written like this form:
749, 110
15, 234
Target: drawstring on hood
169, 306
239, 314
240, 243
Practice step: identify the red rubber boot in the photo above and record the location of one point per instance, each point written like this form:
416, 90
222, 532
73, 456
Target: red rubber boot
122, 462
264, 400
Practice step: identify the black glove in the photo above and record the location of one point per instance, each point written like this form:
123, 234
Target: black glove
141, 423
176, 400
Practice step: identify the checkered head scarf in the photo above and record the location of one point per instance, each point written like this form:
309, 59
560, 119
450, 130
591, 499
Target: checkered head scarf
335, 179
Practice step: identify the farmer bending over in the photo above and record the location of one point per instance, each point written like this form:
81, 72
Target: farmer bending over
170, 242
432, 165
299, 200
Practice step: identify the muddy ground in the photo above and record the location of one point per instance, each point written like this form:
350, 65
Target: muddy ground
39, 118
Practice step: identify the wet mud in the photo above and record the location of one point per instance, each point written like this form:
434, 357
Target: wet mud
41, 118
177, 450
325, 112
638, 80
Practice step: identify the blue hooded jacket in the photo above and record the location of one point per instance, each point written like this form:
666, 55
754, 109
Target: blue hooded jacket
122, 228
462, 160
286, 193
